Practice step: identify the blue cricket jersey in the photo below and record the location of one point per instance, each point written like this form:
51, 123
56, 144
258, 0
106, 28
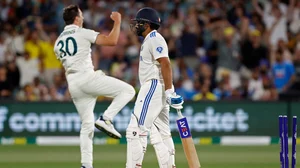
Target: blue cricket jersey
282, 73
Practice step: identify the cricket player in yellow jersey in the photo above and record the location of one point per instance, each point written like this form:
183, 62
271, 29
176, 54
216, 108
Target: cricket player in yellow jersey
151, 111
73, 49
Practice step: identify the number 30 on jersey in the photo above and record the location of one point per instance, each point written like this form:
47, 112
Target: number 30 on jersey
64, 47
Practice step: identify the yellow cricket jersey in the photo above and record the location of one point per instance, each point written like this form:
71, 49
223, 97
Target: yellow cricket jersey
33, 49
49, 57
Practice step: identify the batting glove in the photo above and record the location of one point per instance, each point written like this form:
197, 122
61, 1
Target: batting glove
173, 99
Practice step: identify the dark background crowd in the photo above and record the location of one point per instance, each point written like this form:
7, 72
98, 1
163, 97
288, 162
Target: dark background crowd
219, 49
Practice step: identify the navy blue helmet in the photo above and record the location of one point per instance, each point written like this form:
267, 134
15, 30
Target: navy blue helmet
146, 15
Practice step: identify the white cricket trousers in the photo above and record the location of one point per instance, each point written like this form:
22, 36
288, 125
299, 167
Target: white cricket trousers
84, 88
151, 107
151, 114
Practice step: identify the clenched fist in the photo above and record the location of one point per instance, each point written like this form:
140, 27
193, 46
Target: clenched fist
116, 17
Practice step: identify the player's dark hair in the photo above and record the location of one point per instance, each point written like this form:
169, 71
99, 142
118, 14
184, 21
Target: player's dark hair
154, 26
70, 13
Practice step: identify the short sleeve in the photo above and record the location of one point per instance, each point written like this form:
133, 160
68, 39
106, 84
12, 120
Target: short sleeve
90, 35
159, 47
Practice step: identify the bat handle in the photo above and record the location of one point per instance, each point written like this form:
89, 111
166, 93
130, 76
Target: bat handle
179, 113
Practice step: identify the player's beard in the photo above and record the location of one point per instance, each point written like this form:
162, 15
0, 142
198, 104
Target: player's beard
138, 28
140, 31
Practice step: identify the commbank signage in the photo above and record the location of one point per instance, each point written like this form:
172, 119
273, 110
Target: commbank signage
204, 119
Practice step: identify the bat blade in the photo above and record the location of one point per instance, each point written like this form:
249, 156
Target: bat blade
190, 152
188, 143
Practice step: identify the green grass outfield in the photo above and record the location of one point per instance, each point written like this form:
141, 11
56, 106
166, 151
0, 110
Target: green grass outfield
114, 156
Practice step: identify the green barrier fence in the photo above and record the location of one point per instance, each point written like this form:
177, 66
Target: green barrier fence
206, 119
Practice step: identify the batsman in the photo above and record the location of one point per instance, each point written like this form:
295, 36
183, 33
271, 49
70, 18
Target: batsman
151, 111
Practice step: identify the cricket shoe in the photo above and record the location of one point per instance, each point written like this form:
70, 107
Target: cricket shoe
107, 127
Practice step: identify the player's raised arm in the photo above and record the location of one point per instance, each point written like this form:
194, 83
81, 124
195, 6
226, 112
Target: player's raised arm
112, 38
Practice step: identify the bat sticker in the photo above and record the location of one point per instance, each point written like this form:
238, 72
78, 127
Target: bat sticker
183, 128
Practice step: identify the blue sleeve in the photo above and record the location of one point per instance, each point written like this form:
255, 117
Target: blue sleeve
291, 69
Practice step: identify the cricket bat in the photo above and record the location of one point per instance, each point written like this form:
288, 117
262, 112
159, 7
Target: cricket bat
187, 141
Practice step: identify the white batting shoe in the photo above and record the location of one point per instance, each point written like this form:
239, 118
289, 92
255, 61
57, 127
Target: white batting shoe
86, 166
107, 127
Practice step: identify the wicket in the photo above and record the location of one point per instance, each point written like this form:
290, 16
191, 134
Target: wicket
284, 145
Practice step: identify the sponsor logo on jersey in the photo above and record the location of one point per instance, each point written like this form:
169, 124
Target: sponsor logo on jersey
153, 34
159, 49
